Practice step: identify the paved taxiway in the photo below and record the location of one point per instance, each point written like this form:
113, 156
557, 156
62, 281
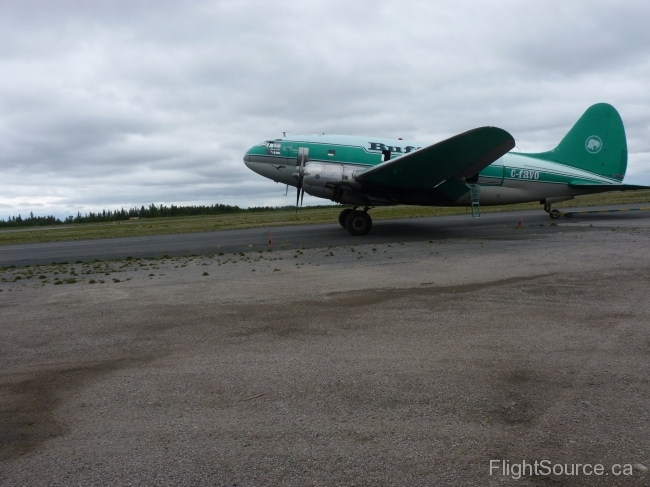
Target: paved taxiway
382, 364
291, 237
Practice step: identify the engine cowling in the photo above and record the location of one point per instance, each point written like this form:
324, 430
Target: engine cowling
321, 179
319, 174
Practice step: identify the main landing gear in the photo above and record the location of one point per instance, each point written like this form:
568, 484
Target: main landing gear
356, 222
554, 214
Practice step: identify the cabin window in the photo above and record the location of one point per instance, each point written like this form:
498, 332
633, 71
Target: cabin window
331, 152
385, 155
273, 147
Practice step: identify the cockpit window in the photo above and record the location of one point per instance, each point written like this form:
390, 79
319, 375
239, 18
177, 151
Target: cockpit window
273, 147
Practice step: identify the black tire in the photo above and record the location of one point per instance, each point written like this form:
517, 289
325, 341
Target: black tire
344, 215
554, 214
358, 223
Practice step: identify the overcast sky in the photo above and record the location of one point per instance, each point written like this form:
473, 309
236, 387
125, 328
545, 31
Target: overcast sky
123, 103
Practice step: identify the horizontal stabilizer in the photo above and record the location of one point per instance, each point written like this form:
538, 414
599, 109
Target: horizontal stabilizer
607, 187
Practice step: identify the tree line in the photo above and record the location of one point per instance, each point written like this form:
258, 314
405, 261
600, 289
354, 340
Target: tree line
152, 211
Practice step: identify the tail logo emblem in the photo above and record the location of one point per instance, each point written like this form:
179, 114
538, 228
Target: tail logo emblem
593, 144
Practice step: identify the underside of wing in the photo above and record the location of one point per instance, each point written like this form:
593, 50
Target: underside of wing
461, 156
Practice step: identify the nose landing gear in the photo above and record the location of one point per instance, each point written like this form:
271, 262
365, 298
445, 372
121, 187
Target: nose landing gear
356, 222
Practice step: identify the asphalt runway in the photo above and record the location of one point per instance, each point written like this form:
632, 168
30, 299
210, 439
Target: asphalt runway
405, 363
306, 236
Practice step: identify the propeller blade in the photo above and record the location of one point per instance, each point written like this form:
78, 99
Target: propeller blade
301, 175
298, 194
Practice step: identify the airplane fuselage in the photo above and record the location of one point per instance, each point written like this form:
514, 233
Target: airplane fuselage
513, 178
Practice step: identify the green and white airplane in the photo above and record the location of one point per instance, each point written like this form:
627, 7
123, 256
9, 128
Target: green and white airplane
470, 169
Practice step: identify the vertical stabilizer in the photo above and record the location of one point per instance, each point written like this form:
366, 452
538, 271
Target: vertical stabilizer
596, 143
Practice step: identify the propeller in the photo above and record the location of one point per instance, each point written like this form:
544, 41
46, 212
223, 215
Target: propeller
300, 194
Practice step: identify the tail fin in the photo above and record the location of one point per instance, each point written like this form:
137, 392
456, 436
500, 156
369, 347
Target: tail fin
596, 143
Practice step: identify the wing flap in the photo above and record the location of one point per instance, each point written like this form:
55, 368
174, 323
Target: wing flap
463, 155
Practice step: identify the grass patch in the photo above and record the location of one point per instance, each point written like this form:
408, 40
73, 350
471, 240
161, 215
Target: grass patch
306, 216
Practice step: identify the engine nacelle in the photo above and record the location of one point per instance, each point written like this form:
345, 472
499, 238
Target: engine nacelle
320, 180
319, 174
319, 192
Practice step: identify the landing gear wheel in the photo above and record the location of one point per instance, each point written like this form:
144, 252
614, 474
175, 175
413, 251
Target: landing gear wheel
358, 223
554, 214
343, 216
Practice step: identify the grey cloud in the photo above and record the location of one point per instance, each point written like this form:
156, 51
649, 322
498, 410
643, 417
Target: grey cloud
579, 37
125, 103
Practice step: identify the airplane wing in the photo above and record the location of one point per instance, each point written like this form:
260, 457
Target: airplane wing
463, 155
